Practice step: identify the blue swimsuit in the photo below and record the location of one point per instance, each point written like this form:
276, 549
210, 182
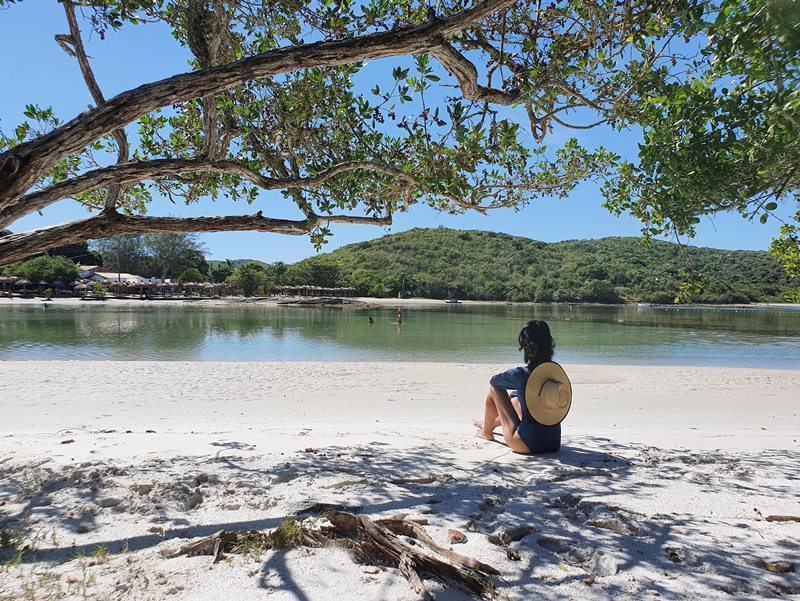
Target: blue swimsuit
538, 438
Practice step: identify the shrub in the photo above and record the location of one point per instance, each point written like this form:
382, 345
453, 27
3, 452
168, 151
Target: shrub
45, 269
191, 274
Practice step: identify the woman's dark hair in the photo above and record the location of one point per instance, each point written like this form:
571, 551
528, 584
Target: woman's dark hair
536, 342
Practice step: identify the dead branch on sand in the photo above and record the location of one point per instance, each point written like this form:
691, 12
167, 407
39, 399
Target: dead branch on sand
371, 542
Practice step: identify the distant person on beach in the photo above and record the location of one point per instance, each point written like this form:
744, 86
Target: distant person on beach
529, 402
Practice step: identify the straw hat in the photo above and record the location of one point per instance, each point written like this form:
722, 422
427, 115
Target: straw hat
548, 394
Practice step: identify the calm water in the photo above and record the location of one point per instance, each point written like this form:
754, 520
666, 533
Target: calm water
454, 333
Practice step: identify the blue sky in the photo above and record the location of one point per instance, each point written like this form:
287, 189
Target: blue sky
40, 72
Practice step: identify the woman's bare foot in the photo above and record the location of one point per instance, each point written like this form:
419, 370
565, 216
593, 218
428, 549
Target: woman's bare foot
481, 434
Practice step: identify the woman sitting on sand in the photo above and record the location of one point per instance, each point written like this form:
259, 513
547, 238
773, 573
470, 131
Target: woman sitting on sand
529, 402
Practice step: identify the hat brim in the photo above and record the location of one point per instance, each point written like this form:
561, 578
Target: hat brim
541, 374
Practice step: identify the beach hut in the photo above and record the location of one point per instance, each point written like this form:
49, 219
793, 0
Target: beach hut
7, 283
22, 283
166, 288
82, 289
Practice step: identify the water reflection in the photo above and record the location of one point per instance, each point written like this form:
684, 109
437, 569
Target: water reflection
457, 333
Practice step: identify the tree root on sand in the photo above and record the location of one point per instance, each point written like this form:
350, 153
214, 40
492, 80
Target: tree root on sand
371, 542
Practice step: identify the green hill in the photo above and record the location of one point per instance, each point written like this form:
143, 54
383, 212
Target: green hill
443, 263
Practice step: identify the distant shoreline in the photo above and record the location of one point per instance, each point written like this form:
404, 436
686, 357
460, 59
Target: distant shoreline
352, 302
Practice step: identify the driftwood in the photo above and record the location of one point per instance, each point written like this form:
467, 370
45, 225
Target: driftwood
371, 542
783, 518
212, 545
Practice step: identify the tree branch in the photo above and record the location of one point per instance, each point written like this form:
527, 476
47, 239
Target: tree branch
574, 125
79, 52
22, 166
479, 41
465, 72
166, 168
16, 247
206, 30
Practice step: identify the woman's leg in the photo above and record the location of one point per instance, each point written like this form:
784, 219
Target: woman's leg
499, 408
517, 406
479, 423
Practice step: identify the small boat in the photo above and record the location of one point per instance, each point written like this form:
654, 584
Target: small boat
453, 301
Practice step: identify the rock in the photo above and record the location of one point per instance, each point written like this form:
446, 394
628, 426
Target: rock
456, 537
200, 478
173, 590
142, 489
510, 535
490, 502
564, 501
231, 506
605, 565
193, 501
614, 524
109, 502
675, 554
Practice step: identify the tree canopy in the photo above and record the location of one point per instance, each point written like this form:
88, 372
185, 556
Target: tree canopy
45, 269
276, 99
162, 255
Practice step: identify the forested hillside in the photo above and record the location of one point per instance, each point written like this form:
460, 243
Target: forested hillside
444, 263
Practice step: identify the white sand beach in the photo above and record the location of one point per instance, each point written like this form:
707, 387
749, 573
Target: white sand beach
663, 487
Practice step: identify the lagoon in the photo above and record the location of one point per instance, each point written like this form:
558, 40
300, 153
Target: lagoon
749, 337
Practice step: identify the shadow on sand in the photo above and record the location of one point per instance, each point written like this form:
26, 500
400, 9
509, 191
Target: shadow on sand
592, 515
